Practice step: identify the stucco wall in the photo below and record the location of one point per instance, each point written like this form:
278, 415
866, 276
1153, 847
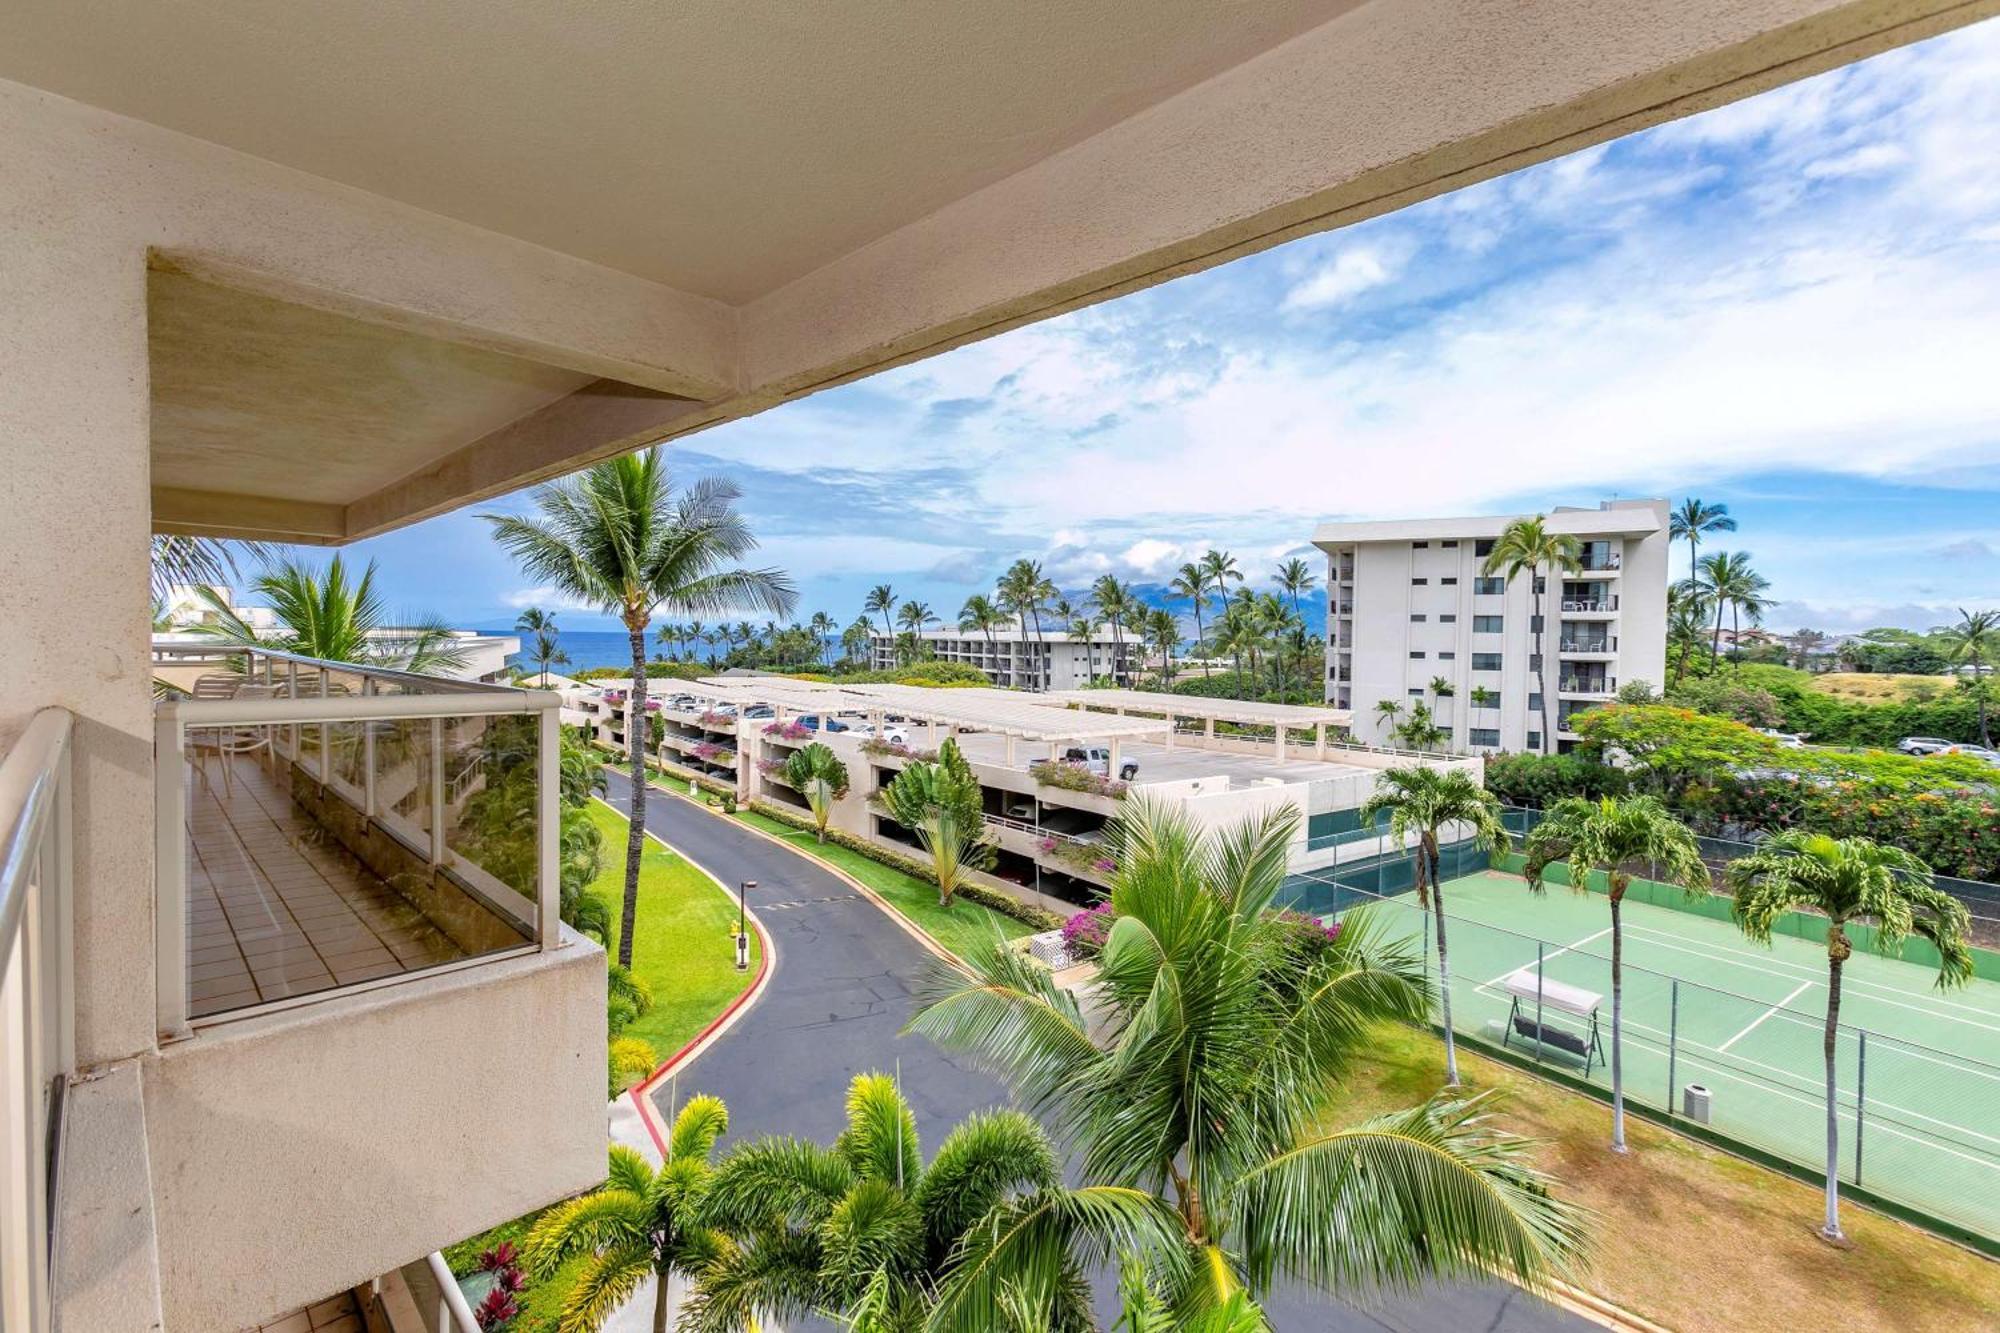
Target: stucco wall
310, 1150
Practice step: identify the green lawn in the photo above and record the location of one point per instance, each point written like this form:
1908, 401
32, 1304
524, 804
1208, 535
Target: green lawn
682, 946
962, 928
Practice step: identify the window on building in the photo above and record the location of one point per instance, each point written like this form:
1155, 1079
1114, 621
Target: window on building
1488, 624
1448, 618
1449, 543
1417, 656
1483, 546
1534, 624
1534, 703
1534, 740
1451, 582
1483, 736
1417, 617
1486, 661
1417, 583
1417, 693
1419, 546
1493, 587
1447, 657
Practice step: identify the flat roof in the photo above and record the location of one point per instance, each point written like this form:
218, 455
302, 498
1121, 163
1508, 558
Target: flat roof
1222, 710
1000, 711
1615, 518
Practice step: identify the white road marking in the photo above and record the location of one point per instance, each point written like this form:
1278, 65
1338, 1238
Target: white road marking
1757, 1022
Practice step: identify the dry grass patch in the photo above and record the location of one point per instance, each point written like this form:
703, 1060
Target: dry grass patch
1881, 687
1692, 1237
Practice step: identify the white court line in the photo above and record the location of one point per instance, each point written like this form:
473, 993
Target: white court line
1925, 1009
1545, 957
1851, 984
1758, 1021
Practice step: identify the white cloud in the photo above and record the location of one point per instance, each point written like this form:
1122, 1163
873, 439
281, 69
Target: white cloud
1354, 270
547, 599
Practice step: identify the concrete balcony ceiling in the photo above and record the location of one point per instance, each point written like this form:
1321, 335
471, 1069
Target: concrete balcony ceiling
409, 256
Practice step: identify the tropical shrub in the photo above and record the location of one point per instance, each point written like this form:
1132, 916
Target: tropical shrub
940, 803
1722, 695
816, 773
1076, 777
1537, 780
880, 748
1083, 934
789, 731
934, 674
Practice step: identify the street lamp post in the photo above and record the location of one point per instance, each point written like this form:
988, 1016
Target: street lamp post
743, 924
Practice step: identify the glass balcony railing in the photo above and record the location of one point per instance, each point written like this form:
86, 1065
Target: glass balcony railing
325, 827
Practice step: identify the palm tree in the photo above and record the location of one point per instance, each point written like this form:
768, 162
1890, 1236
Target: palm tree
1420, 730
195, 562
1295, 577
817, 774
696, 633
1192, 583
1021, 592
1421, 802
1083, 629
1274, 620
823, 626
882, 599
1687, 624
866, 1229
1217, 1030
1220, 567
1729, 583
1118, 604
1847, 880
1388, 710
543, 645
856, 640
1692, 521
1974, 641
980, 616
1481, 696
640, 1223
1528, 544
1603, 836
1165, 632
1236, 632
1803, 642
616, 535
320, 614
914, 616
940, 803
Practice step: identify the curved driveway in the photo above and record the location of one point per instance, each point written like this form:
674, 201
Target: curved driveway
840, 991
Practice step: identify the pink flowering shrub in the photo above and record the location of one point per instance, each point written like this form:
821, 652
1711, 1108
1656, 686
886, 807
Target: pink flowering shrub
1084, 934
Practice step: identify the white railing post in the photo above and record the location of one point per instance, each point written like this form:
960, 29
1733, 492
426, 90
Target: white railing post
368, 802
548, 834
170, 834
292, 692
437, 791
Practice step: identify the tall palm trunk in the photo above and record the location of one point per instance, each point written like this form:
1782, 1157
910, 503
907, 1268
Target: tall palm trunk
1541, 662
1433, 860
1200, 638
1837, 950
636, 730
1715, 642
662, 1303
1618, 886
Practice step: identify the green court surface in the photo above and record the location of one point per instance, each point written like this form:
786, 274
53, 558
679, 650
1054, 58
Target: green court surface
1919, 1069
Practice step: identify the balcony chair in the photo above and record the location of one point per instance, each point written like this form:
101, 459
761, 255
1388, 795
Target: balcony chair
228, 741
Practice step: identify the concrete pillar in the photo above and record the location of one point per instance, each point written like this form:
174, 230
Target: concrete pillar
75, 528
1208, 728
1010, 749
1278, 734
1319, 741
1111, 766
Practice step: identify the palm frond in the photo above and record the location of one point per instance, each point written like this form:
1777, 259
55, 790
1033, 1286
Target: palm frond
606, 1282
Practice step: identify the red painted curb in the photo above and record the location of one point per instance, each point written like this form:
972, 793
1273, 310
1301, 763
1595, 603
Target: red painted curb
640, 1092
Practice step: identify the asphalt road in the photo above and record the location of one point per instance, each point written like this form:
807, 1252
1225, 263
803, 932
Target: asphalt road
841, 990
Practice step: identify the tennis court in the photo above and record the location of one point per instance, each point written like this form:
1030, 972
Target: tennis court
1919, 1070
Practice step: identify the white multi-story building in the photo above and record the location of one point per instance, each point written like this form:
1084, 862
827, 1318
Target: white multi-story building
1409, 610
1051, 660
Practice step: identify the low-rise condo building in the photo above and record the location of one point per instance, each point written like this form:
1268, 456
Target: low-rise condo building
1050, 660
1412, 618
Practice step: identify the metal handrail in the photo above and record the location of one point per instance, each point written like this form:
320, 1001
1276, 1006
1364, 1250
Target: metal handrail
452, 1304
434, 684
36, 979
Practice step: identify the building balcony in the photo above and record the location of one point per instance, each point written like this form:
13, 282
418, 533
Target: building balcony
362, 981
1589, 606
1600, 646
1588, 686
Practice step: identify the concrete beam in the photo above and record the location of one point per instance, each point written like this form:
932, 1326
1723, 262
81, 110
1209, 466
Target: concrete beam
1383, 106
598, 421
254, 517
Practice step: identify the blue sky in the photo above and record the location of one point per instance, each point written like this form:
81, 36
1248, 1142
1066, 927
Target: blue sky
1791, 305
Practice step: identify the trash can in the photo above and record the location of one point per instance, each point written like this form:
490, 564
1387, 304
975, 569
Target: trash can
1695, 1103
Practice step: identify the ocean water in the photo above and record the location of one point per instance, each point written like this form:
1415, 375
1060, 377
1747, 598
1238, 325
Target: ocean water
587, 648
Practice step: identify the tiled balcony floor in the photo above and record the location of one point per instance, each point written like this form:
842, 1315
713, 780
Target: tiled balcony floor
277, 908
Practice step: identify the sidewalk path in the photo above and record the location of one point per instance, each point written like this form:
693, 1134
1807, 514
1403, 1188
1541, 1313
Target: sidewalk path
843, 988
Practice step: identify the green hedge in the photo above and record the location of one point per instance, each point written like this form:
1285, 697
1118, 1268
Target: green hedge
1004, 903
1719, 907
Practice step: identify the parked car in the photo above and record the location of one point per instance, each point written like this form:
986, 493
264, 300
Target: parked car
1976, 752
760, 711
1922, 745
893, 735
1785, 739
813, 722
1097, 759
682, 703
